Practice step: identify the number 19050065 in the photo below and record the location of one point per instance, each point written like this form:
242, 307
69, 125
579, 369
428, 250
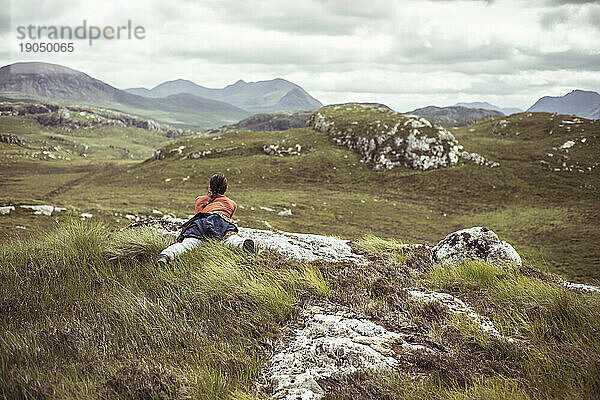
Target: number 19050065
46, 47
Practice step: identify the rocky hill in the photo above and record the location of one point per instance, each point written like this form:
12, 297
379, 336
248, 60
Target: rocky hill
386, 139
585, 104
57, 83
257, 97
455, 115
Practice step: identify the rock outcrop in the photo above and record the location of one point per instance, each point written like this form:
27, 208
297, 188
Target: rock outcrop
44, 210
386, 139
11, 139
333, 342
475, 243
5, 210
277, 150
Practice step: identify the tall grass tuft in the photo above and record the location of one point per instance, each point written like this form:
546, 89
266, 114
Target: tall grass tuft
137, 244
378, 247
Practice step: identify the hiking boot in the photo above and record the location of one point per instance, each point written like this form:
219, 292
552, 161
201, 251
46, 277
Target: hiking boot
249, 246
162, 260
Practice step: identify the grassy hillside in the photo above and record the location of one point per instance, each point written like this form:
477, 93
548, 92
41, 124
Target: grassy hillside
87, 315
77, 133
551, 217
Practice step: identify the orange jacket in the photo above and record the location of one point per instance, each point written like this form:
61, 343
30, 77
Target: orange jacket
222, 204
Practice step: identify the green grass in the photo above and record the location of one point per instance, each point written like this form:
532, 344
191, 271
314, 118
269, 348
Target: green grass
548, 216
558, 329
373, 245
86, 315
98, 143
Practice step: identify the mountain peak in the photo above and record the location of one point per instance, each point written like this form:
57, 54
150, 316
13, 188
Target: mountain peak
582, 103
40, 68
581, 91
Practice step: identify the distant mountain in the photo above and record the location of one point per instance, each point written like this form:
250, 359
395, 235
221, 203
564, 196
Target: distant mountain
263, 96
582, 103
61, 84
139, 92
487, 106
455, 115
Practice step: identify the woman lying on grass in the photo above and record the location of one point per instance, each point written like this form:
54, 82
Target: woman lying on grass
212, 220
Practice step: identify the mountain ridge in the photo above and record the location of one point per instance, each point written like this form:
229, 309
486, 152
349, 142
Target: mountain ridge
55, 82
261, 96
582, 103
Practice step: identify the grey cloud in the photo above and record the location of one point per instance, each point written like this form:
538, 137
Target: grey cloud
5, 19
280, 55
28, 11
572, 16
449, 1
562, 2
333, 17
448, 53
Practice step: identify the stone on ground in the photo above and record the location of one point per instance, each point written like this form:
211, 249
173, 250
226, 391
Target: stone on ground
475, 243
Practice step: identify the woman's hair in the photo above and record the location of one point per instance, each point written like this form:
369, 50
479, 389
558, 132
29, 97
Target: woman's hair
218, 185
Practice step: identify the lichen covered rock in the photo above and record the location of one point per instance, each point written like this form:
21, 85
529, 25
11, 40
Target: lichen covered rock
279, 150
387, 139
475, 243
334, 342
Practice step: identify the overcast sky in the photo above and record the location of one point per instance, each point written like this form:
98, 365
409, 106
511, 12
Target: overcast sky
406, 54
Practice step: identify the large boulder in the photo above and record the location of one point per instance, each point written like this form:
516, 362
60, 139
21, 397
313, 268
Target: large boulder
475, 243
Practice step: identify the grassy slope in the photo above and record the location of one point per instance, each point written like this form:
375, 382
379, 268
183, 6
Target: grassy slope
103, 142
86, 315
550, 217
203, 113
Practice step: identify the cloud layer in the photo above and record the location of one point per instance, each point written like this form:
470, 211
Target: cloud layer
406, 54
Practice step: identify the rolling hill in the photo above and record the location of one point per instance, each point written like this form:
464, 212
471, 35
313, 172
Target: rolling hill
275, 121
487, 106
582, 103
455, 115
257, 97
57, 83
